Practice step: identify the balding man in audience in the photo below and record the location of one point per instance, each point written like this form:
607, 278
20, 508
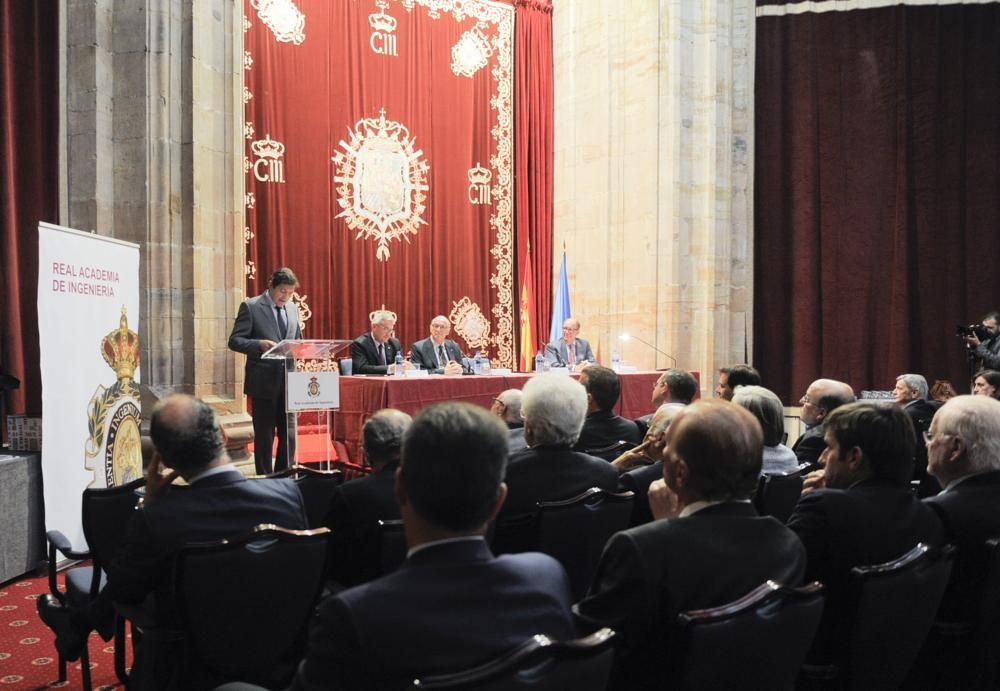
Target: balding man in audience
674, 386
452, 604
911, 393
865, 513
643, 465
553, 406
737, 375
821, 398
602, 428
707, 548
357, 506
507, 407
437, 353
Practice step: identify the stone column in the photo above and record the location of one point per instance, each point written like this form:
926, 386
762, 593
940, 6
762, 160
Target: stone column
653, 176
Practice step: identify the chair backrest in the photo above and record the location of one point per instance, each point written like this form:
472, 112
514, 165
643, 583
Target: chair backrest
539, 663
574, 531
764, 637
316, 487
352, 471
392, 545
989, 624
778, 494
611, 451
105, 516
892, 607
244, 602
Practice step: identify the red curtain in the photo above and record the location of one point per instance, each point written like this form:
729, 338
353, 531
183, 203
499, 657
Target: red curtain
876, 204
29, 160
335, 193
533, 161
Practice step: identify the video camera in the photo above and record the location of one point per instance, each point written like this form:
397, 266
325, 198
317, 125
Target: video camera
977, 330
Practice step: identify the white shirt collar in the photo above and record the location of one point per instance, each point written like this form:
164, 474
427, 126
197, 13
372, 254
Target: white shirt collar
447, 540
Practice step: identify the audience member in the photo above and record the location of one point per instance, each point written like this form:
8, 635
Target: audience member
507, 406
986, 383
737, 375
942, 390
865, 512
674, 386
437, 353
375, 352
650, 451
821, 398
553, 406
911, 393
452, 604
708, 548
357, 506
218, 502
602, 427
570, 351
638, 479
765, 405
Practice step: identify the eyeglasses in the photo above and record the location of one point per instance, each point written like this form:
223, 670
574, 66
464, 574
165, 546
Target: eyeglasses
928, 437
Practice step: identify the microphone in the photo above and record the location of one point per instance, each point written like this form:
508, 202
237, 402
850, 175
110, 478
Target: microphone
626, 337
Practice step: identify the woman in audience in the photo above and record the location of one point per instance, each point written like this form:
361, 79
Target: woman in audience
943, 390
986, 383
766, 407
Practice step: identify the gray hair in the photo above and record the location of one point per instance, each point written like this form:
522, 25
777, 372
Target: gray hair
767, 408
511, 399
662, 417
914, 382
382, 435
683, 385
554, 407
976, 421
379, 316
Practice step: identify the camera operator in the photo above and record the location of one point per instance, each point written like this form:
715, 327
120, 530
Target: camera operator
983, 342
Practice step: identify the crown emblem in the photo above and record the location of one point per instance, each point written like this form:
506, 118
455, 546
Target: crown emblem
383, 22
268, 148
479, 175
120, 349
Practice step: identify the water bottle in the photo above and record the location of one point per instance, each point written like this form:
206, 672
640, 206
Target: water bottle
539, 362
399, 363
616, 361
477, 364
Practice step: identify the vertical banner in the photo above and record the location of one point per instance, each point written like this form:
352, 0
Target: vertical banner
88, 315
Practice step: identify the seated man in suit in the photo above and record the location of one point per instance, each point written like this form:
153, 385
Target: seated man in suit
375, 352
859, 510
217, 502
357, 506
602, 427
643, 465
452, 604
821, 398
737, 375
437, 353
674, 386
912, 394
570, 351
707, 547
507, 407
553, 406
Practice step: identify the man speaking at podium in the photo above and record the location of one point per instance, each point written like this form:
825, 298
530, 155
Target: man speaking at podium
261, 323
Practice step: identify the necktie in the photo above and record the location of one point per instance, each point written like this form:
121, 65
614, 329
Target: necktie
442, 358
381, 354
282, 323
571, 353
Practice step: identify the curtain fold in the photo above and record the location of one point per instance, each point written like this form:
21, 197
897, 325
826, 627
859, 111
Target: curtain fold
29, 160
877, 165
533, 137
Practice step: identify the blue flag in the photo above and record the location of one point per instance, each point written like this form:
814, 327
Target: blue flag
560, 306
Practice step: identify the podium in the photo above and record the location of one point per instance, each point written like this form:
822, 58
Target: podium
309, 390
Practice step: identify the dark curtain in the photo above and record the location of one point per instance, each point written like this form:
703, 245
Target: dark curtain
877, 192
533, 161
312, 95
29, 160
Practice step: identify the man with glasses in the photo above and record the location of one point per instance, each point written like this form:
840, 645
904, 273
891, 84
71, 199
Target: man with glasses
570, 351
437, 353
821, 398
375, 352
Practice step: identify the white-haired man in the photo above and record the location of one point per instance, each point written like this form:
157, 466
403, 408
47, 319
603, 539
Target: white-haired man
374, 352
911, 393
507, 407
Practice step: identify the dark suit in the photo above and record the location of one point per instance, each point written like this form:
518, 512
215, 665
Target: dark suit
871, 522
810, 445
557, 352
548, 473
449, 607
264, 381
364, 354
216, 507
649, 574
356, 507
638, 481
603, 428
921, 412
424, 353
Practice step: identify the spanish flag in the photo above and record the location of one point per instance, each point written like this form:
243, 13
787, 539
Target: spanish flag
527, 315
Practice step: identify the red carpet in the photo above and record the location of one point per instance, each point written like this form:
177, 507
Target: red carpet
28, 658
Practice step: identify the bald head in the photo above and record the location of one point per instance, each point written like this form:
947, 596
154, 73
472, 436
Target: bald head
965, 438
383, 436
507, 406
186, 434
823, 397
440, 328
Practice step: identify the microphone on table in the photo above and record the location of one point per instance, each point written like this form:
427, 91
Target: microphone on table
626, 337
